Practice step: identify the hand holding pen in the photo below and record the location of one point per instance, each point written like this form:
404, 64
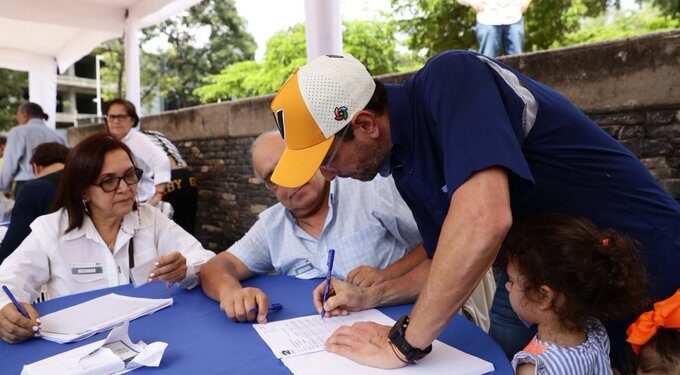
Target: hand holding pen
18, 321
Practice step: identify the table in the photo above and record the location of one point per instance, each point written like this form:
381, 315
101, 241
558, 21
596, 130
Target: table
202, 340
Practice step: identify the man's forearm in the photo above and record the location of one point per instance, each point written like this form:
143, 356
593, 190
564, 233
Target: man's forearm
477, 222
407, 263
403, 289
218, 276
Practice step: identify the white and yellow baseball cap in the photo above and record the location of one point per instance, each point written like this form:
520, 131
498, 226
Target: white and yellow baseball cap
317, 101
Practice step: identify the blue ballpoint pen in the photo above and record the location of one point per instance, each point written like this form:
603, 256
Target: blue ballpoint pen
273, 307
16, 303
331, 255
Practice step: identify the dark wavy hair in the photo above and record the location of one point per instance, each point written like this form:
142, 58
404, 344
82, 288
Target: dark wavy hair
129, 108
83, 166
665, 351
48, 153
599, 271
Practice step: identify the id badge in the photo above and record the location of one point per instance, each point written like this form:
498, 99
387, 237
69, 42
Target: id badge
86, 272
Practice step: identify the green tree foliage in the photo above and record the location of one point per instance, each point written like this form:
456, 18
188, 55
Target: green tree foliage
11, 96
175, 72
372, 42
434, 26
624, 24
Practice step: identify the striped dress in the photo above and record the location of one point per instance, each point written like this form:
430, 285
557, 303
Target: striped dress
589, 358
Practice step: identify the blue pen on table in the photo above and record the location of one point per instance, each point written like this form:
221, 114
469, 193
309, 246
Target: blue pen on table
16, 303
329, 263
273, 307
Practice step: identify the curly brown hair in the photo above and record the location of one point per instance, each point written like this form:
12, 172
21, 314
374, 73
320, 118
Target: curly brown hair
599, 271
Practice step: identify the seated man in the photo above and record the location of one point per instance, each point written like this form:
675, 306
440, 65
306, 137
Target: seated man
36, 196
368, 225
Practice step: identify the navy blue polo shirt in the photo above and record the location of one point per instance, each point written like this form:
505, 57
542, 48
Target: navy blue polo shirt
462, 113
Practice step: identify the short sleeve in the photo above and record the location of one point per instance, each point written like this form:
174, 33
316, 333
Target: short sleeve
253, 250
525, 357
474, 124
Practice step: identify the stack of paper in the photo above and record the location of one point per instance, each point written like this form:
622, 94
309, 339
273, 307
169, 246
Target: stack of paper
116, 354
100, 314
300, 342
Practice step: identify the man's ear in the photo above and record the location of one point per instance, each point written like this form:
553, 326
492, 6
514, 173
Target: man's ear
365, 121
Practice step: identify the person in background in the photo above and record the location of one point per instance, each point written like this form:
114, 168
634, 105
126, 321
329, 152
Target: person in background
182, 191
122, 121
568, 276
3, 143
21, 141
499, 23
97, 235
36, 196
369, 226
655, 338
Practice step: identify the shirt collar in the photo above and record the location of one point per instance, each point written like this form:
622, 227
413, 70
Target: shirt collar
36, 121
132, 223
401, 126
401, 117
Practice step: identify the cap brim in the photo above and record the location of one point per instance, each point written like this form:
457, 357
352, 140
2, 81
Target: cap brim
296, 167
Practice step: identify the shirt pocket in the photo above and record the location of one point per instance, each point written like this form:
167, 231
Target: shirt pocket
86, 272
369, 246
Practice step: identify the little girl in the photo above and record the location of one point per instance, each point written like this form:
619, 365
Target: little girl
566, 276
655, 338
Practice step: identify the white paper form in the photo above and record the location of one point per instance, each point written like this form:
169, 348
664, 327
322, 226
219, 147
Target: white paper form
116, 354
443, 359
308, 334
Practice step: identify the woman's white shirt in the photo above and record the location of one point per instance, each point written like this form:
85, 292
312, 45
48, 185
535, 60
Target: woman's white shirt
150, 159
80, 260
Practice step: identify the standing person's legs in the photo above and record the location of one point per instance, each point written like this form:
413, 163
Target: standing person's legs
506, 328
513, 38
489, 39
182, 194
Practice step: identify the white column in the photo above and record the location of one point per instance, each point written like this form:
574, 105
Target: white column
132, 82
323, 28
42, 86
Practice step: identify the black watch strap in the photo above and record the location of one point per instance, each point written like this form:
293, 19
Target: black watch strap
397, 337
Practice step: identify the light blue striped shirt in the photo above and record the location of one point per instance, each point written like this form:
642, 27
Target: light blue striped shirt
367, 223
21, 141
588, 358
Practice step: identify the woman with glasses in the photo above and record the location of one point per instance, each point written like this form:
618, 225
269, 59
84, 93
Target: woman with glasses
97, 235
121, 120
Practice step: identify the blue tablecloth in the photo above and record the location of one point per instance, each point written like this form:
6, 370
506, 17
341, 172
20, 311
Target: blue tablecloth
202, 340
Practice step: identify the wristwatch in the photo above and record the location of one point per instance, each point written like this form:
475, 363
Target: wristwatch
398, 340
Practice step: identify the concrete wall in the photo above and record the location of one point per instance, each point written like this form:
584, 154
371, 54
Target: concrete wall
630, 87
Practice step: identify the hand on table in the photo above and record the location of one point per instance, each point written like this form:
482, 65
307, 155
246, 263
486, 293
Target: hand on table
366, 276
239, 303
366, 343
15, 327
171, 267
343, 297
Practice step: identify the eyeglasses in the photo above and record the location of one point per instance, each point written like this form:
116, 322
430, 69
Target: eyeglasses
117, 117
328, 160
131, 177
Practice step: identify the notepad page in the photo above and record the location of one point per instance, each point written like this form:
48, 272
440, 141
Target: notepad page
100, 313
307, 334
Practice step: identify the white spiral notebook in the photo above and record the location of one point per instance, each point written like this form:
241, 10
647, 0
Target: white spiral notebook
100, 314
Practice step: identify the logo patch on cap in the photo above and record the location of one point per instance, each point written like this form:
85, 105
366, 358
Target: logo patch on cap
280, 123
341, 113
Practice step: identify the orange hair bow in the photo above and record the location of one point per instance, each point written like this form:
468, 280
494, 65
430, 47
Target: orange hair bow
666, 314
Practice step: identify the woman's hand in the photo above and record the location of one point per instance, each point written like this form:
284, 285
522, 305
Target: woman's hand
171, 267
15, 327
